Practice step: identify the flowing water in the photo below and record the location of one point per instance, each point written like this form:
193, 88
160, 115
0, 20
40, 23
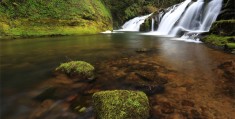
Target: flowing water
169, 20
27, 63
196, 17
185, 19
134, 24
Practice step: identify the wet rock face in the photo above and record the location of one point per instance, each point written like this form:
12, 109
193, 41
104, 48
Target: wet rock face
228, 11
223, 27
146, 26
121, 104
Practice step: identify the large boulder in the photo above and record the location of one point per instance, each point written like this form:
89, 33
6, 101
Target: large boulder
121, 104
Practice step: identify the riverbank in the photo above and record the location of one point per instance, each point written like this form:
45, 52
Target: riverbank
221, 36
20, 19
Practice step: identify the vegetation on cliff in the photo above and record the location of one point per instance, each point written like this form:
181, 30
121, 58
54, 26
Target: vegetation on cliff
53, 17
222, 35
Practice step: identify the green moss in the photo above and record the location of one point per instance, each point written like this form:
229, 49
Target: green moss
53, 17
146, 26
223, 27
121, 104
77, 67
216, 40
230, 45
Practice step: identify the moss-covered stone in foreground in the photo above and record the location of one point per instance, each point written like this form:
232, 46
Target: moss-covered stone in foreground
77, 68
121, 104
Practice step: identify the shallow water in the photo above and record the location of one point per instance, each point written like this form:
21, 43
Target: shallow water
25, 63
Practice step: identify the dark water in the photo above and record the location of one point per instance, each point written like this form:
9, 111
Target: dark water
27, 62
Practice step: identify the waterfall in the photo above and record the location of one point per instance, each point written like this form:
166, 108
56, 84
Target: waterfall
212, 11
134, 24
152, 27
189, 19
170, 18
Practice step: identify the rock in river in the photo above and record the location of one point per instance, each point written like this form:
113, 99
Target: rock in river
121, 104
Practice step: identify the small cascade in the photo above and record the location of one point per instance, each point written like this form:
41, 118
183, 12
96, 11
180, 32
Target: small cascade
134, 24
152, 27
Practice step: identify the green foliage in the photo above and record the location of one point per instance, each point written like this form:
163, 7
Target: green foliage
223, 27
56, 9
121, 104
217, 40
76, 67
222, 34
230, 45
53, 17
146, 26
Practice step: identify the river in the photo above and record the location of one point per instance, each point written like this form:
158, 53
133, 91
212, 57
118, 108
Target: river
26, 63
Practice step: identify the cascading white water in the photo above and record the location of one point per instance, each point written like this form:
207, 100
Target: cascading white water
152, 27
134, 24
170, 18
188, 18
191, 20
212, 11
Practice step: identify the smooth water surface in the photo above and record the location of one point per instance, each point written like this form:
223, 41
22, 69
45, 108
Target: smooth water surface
27, 62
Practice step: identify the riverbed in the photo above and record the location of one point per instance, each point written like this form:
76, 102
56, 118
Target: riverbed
191, 75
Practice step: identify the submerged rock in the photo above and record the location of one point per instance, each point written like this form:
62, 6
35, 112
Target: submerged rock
121, 104
46, 94
151, 89
143, 50
227, 74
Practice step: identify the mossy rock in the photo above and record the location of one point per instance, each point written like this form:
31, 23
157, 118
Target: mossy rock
121, 104
146, 26
216, 40
230, 45
223, 27
79, 69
